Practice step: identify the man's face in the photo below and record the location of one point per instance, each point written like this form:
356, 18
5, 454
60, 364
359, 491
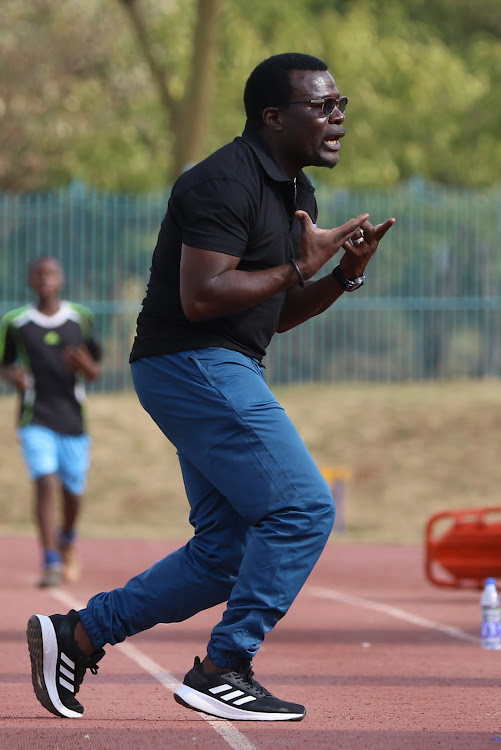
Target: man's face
46, 278
309, 137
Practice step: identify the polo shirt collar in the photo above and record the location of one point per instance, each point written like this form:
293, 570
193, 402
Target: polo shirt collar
268, 163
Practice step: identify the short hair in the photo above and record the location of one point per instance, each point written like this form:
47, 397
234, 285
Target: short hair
269, 83
42, 259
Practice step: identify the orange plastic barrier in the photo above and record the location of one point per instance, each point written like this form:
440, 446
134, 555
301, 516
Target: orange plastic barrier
463, 547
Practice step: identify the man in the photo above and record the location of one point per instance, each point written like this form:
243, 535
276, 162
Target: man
235, 253
45, 352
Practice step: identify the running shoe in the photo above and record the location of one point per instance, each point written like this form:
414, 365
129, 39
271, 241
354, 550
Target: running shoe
234, 696
57, 663
71, 564
52, 575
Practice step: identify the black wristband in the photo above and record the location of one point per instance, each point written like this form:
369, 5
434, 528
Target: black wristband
298, 271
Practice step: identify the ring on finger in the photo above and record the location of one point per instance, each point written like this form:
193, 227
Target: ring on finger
359, 240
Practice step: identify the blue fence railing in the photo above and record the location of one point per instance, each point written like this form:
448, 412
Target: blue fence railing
430, 308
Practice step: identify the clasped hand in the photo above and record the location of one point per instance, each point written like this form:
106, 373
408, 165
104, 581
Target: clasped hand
317, 246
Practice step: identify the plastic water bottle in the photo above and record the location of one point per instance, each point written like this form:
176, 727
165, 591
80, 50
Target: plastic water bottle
490, 631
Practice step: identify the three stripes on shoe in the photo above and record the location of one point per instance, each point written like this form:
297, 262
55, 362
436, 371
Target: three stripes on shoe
67, 670
233, 696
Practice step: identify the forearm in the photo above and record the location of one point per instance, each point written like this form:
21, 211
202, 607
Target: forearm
302, 304
79, 360
14, 375
233, 290
91, 370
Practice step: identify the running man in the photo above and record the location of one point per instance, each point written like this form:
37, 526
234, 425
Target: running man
46, 352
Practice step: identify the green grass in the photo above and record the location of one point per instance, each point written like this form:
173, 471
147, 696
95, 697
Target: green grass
413, 449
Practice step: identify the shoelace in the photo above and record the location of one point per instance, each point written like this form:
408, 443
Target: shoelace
80, 670
247, 678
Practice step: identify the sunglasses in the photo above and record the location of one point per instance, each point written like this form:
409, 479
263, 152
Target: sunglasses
327, 105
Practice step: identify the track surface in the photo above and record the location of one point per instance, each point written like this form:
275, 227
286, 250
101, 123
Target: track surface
382, 660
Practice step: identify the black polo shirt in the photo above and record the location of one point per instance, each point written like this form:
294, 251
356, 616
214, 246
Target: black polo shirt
238, 201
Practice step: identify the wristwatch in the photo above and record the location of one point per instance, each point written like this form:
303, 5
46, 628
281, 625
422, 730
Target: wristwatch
348, 285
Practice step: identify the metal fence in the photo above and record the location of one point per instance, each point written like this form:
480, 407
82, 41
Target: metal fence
430, 308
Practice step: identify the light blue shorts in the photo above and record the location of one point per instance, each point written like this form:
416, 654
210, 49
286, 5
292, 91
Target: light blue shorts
48, 452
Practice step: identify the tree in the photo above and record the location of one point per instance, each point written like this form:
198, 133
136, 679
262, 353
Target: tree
99, 112
187, 117
64, 101
122, 95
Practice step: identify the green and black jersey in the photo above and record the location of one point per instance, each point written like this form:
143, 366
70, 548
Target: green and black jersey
55, 395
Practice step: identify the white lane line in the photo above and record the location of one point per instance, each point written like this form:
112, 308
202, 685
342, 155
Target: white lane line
399, 614
235, 739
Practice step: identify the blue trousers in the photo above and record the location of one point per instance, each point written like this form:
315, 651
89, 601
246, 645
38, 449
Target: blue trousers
260, 508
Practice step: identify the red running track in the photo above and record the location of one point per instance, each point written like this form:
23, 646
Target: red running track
381, 659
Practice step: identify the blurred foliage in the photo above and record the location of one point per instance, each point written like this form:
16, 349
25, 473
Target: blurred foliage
77, 98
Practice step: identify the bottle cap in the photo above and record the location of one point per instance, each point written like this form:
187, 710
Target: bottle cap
490, 580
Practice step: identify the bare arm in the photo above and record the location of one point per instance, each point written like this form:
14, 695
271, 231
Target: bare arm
79, 359
211, 285
302, 304
15, 375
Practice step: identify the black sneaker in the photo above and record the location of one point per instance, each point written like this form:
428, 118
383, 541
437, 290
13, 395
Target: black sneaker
235, 696
57, 663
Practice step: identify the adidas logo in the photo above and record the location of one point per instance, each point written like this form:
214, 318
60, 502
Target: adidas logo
232, 697
66, 669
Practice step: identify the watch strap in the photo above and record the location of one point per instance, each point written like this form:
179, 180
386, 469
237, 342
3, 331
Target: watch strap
349, 285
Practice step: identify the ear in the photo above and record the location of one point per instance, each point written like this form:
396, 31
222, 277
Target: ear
272, 118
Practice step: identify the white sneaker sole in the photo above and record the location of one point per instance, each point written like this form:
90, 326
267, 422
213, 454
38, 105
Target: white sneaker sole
191, 698
42, 644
